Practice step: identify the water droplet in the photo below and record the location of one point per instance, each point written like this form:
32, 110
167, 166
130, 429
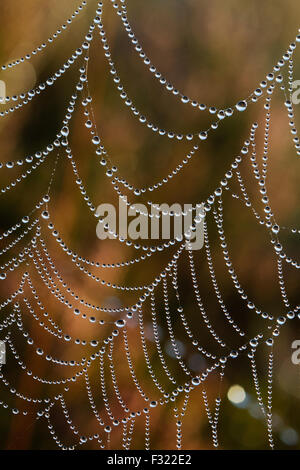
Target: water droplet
65, 131
196, 381
253, 343
241, 105
96, 140
45, 215
203, 135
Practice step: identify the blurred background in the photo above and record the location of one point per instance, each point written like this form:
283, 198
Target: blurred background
216, 52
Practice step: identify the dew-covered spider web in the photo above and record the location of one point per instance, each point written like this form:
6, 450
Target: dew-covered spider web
110, 367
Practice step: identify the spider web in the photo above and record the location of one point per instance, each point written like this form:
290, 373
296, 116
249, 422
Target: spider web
101, 367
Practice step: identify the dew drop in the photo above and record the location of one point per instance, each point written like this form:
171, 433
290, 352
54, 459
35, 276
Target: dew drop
196, 381
65, 131
45, 215
96, 140
241, 105
234, 354
203, 135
